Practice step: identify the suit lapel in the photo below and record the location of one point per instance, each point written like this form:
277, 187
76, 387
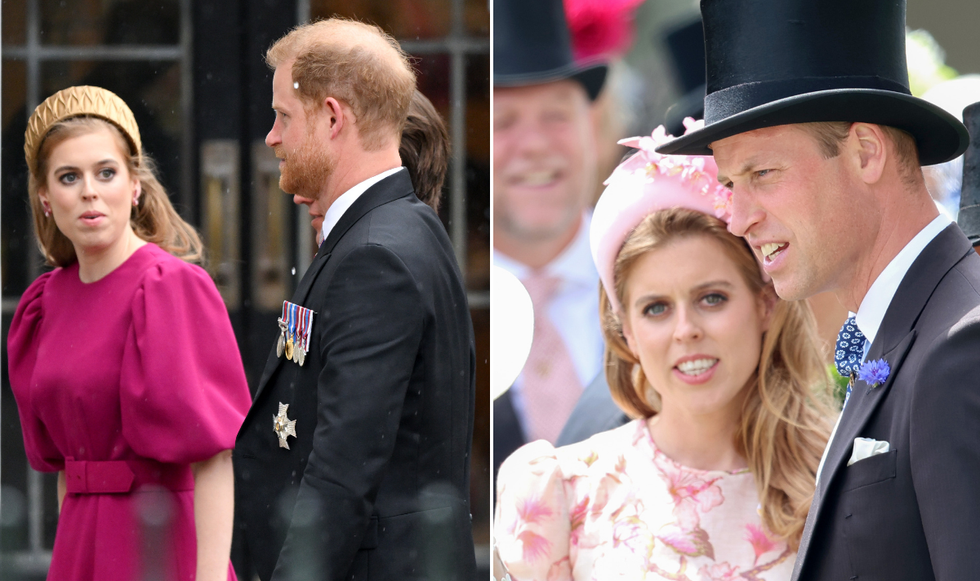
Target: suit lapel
861, 405
893, 342
391, 188
863, 402
895, 336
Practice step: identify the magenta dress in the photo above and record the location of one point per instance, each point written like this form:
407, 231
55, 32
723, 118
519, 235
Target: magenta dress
123, 383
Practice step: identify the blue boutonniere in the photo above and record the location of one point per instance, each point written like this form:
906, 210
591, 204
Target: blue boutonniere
874, 373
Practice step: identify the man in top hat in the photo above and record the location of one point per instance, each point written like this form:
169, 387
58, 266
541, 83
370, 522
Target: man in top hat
544, 164
353, 462
809, 117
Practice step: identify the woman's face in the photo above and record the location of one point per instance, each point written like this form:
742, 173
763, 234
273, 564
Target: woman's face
90, 190
695, 326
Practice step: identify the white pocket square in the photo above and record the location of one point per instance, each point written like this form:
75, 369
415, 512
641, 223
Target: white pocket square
865, 448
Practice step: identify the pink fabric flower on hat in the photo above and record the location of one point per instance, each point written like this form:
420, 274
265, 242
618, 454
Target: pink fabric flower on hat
645, 183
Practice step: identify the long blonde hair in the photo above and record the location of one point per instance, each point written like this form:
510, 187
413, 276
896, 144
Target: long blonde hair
785, 421
154, 219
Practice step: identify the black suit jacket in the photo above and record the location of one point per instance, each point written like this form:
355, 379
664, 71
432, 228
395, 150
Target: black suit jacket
595, 412
376, 483
914, 512
508, 434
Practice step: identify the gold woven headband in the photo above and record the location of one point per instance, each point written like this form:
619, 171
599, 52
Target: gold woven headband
73, 102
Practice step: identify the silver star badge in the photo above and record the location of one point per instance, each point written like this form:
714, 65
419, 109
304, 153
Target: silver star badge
283, 426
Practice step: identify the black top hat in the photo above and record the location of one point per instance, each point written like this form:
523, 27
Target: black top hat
532, 45
969, 216
776, 62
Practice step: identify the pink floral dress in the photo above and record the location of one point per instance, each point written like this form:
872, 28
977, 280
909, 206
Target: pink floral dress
615, 507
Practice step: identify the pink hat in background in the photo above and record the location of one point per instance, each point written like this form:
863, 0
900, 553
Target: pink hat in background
645, 183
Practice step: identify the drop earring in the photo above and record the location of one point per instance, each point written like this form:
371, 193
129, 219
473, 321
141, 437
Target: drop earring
136, 200
47, 209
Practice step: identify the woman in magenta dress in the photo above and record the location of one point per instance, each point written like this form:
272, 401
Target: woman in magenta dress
122, 360
712, 479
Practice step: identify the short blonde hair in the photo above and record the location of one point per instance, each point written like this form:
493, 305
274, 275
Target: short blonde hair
831, 134
353, 62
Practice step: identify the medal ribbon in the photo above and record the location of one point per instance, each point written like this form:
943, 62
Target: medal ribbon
301, 328
292, 322
309, 325
298, 321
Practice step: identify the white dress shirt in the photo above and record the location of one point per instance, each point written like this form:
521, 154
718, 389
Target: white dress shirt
341, 204
575, 309
876, 301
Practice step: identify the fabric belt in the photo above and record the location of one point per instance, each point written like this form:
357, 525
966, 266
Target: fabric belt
121, 476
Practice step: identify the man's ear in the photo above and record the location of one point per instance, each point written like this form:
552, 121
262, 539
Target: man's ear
336, 116
867, 144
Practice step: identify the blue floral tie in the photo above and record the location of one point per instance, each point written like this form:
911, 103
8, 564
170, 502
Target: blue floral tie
849, 352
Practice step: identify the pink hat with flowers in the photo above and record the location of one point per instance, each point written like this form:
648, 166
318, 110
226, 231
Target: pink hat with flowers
645, 183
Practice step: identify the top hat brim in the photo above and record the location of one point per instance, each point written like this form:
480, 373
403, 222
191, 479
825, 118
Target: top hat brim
939, 136
591, 76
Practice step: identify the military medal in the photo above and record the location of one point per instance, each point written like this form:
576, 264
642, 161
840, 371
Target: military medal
290, 330
281, 343
306, 315
302, 335
297, 341
295, 326
300, 351
283, 426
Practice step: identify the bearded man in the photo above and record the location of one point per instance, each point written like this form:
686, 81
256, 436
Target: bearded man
353, 462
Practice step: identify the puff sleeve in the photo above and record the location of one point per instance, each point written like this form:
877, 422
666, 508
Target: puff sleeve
22, 342
532, 527
183, 392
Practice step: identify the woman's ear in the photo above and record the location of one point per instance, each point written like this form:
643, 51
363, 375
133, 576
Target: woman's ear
628, 334
767, 305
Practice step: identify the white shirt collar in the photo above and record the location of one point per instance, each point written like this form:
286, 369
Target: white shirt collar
574, 264
882, 291
568, 264
341, 204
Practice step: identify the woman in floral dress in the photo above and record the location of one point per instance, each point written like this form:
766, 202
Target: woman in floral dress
713, 479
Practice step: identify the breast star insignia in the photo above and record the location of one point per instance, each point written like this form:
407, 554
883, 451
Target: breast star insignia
283, 426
